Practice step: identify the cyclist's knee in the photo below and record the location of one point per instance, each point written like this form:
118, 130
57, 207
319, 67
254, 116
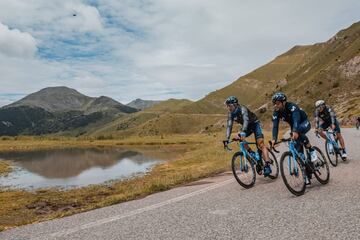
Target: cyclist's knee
260, 143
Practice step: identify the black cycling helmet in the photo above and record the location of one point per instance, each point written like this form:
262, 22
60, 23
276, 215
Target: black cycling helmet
231, 100
279, 96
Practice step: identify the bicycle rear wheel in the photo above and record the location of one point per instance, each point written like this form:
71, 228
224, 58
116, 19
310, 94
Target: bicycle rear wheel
292, 174
243, 170
322, 171
274, 165
331, 153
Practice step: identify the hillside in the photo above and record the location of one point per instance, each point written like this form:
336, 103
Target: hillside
60, 99
58, 109
170, 105
142, 104
329, 70
151, 121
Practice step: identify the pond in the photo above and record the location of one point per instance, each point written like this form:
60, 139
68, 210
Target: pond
76, 167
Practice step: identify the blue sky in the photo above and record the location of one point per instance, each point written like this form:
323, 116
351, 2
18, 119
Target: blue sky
153, 49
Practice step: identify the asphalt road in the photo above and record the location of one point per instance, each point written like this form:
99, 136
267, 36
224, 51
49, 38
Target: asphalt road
219, 208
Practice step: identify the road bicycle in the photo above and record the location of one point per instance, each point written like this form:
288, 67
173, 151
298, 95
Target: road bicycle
296, 169
332, 147
245, 162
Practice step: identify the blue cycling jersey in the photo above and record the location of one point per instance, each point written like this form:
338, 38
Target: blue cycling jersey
243, 116
291, 114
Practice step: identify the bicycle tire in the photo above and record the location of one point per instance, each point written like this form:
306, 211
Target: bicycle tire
329, 154
235, 168
301, 179
325, 165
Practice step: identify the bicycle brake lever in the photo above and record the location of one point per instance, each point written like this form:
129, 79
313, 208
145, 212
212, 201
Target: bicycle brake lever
273, 147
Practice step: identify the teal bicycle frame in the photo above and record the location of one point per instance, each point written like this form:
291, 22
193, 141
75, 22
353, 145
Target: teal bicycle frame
244, 154
331, 140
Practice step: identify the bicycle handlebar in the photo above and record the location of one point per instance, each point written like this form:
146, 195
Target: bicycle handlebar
226, 143
278, 142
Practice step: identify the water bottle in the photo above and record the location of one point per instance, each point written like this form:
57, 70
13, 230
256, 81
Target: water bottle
252, 154
331, 148
302, 155
257, 156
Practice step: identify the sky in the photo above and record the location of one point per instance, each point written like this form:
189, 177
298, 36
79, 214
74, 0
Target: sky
153, 49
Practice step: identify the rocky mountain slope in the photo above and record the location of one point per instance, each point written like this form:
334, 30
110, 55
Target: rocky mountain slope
57, 109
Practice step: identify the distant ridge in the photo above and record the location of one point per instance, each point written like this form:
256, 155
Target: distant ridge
58, 109
142, 104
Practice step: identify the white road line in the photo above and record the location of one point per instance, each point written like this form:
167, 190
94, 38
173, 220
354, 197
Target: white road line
137, 211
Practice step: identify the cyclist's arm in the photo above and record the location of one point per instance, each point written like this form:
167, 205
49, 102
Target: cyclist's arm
275, 130
296, 117
317, 120
229, 126
245, 115
332, 115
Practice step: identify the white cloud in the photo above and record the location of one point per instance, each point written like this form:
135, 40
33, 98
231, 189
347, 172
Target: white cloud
14, 43
157, 48
82, 17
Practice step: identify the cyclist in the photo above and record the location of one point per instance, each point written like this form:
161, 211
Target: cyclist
250, 124
328, 118
298, 121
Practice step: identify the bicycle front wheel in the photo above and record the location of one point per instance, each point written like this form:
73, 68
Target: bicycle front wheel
322, 171
292, 174
331, 153
243, 170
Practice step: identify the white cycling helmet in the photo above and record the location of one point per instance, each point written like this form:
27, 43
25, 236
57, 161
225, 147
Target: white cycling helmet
319, 103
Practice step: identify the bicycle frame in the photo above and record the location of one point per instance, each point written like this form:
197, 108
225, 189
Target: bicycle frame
295, 154
244, 152
330, 139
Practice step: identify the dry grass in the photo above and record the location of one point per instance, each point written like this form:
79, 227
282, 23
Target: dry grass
206, 158
38, 143
5, 168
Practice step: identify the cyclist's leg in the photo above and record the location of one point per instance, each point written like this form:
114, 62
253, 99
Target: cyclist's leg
341, 139
323, 127
338, 134
303, 139
247, 147
303, 129
259, 138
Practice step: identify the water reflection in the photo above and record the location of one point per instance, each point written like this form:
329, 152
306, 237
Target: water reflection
79, 167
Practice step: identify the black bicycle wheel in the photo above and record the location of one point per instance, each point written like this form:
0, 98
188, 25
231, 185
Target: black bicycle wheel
274, 165
244, 172
293, 176
331, 153
322, 171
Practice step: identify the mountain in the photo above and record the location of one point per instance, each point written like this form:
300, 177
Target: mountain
170, 105
328, 70
142, 123
59, 99
142, 104
56, 109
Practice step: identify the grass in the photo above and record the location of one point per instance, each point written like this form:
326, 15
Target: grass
39, 143
205, 158
5, 168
